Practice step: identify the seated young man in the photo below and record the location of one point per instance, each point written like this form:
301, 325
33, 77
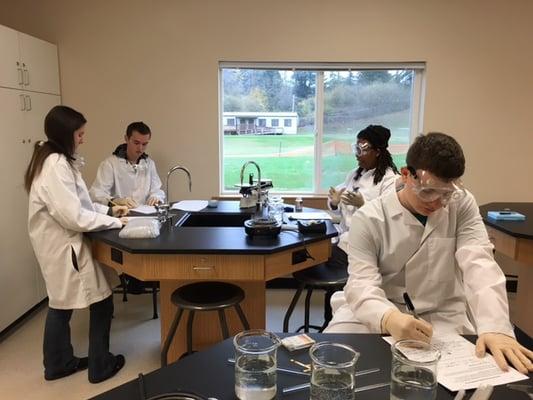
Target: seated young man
129, 177
427, 239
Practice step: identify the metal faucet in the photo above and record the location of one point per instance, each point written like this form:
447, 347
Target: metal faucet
170, 173
259, 208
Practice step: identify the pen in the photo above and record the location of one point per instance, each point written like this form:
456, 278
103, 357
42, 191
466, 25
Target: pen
410, 305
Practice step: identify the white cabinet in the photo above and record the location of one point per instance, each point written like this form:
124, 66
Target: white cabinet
27, 62
21, 126
21, 282
10, 68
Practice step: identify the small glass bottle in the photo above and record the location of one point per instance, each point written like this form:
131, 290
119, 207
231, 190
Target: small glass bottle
298, 204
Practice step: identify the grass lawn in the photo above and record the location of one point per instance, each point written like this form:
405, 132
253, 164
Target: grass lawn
293, 174
289, 159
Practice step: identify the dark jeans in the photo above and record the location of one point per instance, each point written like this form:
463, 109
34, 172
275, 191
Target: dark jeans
338, 259
57, 347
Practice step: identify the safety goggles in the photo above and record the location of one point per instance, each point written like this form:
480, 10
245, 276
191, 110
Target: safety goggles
428, 188
361, 148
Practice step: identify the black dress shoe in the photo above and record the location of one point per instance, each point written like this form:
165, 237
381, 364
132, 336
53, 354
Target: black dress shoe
119, 363
83, 363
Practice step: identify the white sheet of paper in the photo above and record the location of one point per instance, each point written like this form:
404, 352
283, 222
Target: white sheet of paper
190, 205
308, 215
144, 209
460, 368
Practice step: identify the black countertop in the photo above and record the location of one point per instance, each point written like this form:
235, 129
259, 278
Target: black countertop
208, 372
211, 240
519, 229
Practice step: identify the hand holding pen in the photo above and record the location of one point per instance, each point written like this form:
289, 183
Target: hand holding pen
407, 326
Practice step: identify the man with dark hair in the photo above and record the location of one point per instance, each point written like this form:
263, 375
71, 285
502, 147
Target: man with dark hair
128, 177
427, 240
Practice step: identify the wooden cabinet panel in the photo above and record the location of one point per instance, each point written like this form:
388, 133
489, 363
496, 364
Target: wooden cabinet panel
184, 266
505, 244
280, 264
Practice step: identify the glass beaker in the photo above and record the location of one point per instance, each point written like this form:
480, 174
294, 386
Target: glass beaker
255, 364
276, 208
414, 370
332, 371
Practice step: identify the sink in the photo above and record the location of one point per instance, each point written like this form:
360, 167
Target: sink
213, 220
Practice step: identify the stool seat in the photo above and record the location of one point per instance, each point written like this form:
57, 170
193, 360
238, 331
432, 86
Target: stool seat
207, 296
203, 296
322, 276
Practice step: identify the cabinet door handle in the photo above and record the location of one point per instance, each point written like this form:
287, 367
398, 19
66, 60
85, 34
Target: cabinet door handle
206, 268
27, 103
26, 76
20, 75
22, 102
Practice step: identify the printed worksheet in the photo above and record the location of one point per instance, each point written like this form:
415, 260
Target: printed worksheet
190, 205
460, 368
144, 209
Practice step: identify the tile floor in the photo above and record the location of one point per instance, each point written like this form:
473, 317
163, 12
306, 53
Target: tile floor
134, 334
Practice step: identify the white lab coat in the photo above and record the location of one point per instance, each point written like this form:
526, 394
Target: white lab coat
444, 266
368, 189
60, 210
116, 177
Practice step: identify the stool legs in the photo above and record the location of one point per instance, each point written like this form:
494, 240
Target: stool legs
154, 299
170, 337
124, 288
223, 324
242, 317
291, 307
307, 309
190, 320
189, 331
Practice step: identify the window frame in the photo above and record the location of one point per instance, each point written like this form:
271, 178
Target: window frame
418, 89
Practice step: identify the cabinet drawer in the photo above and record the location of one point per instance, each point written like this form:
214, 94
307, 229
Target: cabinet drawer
182, 266
210, 267
503, 243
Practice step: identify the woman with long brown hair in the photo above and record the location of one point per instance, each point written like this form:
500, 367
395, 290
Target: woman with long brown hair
60, 210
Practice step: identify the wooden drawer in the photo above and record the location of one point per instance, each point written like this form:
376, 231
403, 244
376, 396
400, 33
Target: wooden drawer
504, 243
182, 266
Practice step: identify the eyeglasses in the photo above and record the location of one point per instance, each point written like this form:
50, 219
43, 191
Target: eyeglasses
361, 148
429, 189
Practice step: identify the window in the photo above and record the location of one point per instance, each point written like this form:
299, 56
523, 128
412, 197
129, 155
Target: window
322, 107
230, 122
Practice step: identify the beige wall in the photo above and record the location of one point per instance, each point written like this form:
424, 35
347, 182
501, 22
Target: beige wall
157, 61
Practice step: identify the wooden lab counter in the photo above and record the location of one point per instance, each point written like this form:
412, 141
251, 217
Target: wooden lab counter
187, 252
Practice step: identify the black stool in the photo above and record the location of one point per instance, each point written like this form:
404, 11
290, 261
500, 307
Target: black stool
323, 277
204, 296
154, 286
